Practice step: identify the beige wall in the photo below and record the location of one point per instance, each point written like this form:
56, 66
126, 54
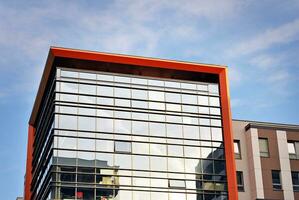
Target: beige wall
242, 164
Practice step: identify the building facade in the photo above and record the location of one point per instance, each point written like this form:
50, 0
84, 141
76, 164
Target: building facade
108, 126
267, 160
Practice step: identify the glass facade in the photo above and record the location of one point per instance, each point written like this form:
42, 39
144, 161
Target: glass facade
127, 137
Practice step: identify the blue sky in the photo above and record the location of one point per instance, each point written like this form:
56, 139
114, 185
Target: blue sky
258, 40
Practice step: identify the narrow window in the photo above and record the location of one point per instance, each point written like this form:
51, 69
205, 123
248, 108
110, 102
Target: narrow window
295, 179
237, 149
240, 181
276, 182
292, 150
264, 147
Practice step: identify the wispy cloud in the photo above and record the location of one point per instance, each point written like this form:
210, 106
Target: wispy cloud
283, 34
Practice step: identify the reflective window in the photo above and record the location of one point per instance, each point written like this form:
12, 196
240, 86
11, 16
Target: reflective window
139, 128
189, 99
173, 97
156, 106
191, 132
122, 126
205, 133
213, 88
140, 148
140, 162
86, 123
122, 92
139, 94
264, 148
69, 87
217, 134
158, 149
123, 147
177, 184
104, 125
157, 129
67, 122
237, 149
203, 100
175, 150
158, 163
67, 143
123, 161
214, 101
276, 181
156, 96
295, 180
173, 107
193, 152
176, 164
240, 181
87, 89
105, 91
174, 130
104, 145
86, 144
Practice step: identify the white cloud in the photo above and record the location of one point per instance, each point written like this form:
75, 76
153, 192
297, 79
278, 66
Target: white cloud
266, 61
283, 34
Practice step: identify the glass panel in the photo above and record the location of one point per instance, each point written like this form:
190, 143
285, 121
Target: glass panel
193, 165
158, 163
122, 126
67, 122
156, 96
203, 100
140, 162
104, 160
140, 104
291, 148
139, 94
122, 161
122, 92
173, 97
139, 128
191, 132
177, 183
156, 106
176, 164
86, 144
67, 143
193, 152
86, 123
105, 91
205, 133
217, 134
158, 149
173, 107
214, 101
174, 130
157, 129
140, 148
69, 87
87, 89
104, 145
123, 146
189, 86
213, 88
189, 99
175, 150
104, 125
264, 149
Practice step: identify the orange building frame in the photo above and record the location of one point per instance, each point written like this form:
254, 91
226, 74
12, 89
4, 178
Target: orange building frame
221, 71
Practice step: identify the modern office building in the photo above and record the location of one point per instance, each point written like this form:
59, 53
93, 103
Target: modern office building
116, 127
267, 160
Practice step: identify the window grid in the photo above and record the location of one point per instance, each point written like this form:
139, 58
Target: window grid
101, 123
